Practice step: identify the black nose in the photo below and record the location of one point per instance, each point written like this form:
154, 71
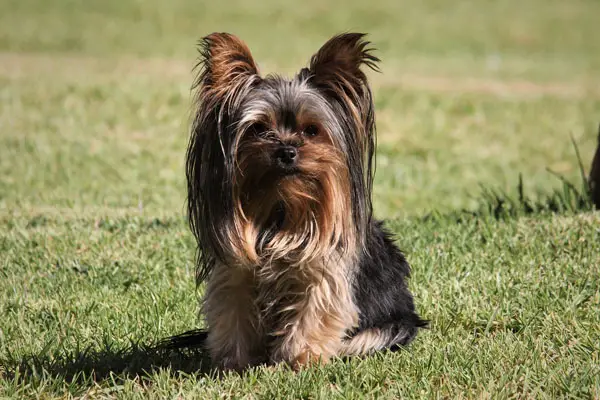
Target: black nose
287, 155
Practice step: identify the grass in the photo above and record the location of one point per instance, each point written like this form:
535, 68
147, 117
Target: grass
96, 257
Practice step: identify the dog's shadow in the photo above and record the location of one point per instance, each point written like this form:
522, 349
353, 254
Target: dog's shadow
181, 353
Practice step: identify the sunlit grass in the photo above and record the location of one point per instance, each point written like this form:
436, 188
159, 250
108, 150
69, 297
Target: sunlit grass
96, 260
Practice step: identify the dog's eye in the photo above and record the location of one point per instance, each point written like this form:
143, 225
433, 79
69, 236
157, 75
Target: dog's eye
258, 129
311, 130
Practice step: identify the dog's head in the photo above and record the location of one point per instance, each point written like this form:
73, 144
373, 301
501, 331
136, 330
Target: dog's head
275, 166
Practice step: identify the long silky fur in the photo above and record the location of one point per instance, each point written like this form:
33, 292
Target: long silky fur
336, 70
226, 74
297, 269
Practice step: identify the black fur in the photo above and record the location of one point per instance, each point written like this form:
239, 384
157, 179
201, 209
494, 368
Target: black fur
381, 292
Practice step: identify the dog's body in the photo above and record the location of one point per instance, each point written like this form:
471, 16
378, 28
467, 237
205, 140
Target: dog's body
279, 198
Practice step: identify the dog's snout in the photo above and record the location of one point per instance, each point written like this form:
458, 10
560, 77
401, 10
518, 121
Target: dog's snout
287, 155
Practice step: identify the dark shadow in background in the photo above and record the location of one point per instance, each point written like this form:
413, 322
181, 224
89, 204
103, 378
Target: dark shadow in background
594, 179
570, 197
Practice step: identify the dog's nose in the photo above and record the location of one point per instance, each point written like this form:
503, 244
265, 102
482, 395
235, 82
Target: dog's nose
287, 155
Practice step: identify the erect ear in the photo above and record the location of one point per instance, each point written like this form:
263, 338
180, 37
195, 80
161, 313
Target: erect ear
336, 67
336, 71
226, 63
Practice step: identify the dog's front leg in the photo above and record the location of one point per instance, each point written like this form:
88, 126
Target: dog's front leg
234, 340
314, 321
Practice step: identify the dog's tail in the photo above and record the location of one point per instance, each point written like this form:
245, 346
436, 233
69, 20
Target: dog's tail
194, 339
392, 336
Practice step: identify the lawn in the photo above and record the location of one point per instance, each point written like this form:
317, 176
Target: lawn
96, 259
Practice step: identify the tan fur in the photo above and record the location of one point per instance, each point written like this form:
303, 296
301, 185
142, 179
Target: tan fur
314, 309
304, 299
235, 339
301, 312
302, 273
317, 210
230, 64
365, 342
337, 67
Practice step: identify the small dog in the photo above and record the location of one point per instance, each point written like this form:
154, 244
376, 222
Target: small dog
279, 178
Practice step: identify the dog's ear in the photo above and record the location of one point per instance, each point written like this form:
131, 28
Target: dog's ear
226, 74
335, 70
336, 67
226, 65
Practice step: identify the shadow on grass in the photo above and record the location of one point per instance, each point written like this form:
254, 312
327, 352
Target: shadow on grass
183, 353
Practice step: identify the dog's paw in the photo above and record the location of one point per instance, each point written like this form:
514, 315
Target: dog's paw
306, 359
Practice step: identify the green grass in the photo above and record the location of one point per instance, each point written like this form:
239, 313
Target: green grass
96, 260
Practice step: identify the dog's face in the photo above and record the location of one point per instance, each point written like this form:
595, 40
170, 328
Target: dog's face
280, 163
289, 155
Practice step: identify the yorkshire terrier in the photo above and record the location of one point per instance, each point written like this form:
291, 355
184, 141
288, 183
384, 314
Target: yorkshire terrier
279, 179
